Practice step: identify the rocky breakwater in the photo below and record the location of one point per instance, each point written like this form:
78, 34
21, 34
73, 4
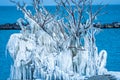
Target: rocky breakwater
108, 25
15, 26
9, 26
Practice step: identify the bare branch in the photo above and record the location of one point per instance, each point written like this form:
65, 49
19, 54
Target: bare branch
98, 11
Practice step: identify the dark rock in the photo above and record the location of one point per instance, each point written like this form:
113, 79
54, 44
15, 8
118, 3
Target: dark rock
107, 25
15, 26
116, 24
8, 26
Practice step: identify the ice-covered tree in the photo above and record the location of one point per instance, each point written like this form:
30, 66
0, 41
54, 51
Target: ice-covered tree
56, 47
79, 19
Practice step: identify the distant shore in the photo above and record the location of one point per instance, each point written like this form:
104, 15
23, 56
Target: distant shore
15, 26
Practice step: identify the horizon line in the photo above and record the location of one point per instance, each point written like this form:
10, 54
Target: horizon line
55, 5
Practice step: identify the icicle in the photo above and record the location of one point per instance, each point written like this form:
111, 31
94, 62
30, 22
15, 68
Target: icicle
102, 62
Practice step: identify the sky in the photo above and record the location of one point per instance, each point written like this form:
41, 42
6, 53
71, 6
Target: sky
51, 2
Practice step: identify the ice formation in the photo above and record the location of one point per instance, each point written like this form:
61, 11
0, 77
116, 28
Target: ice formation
51, 52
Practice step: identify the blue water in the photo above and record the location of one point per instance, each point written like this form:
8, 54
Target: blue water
108, 39
5, 59
10, 14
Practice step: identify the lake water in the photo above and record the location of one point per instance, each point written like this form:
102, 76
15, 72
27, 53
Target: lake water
10, 14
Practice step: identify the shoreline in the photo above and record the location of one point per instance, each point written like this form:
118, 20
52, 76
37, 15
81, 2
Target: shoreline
15, 26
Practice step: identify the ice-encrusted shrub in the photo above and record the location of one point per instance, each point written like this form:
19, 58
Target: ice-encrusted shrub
51, 48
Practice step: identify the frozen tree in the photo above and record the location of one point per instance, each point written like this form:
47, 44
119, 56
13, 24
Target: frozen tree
81, 32
52, 47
